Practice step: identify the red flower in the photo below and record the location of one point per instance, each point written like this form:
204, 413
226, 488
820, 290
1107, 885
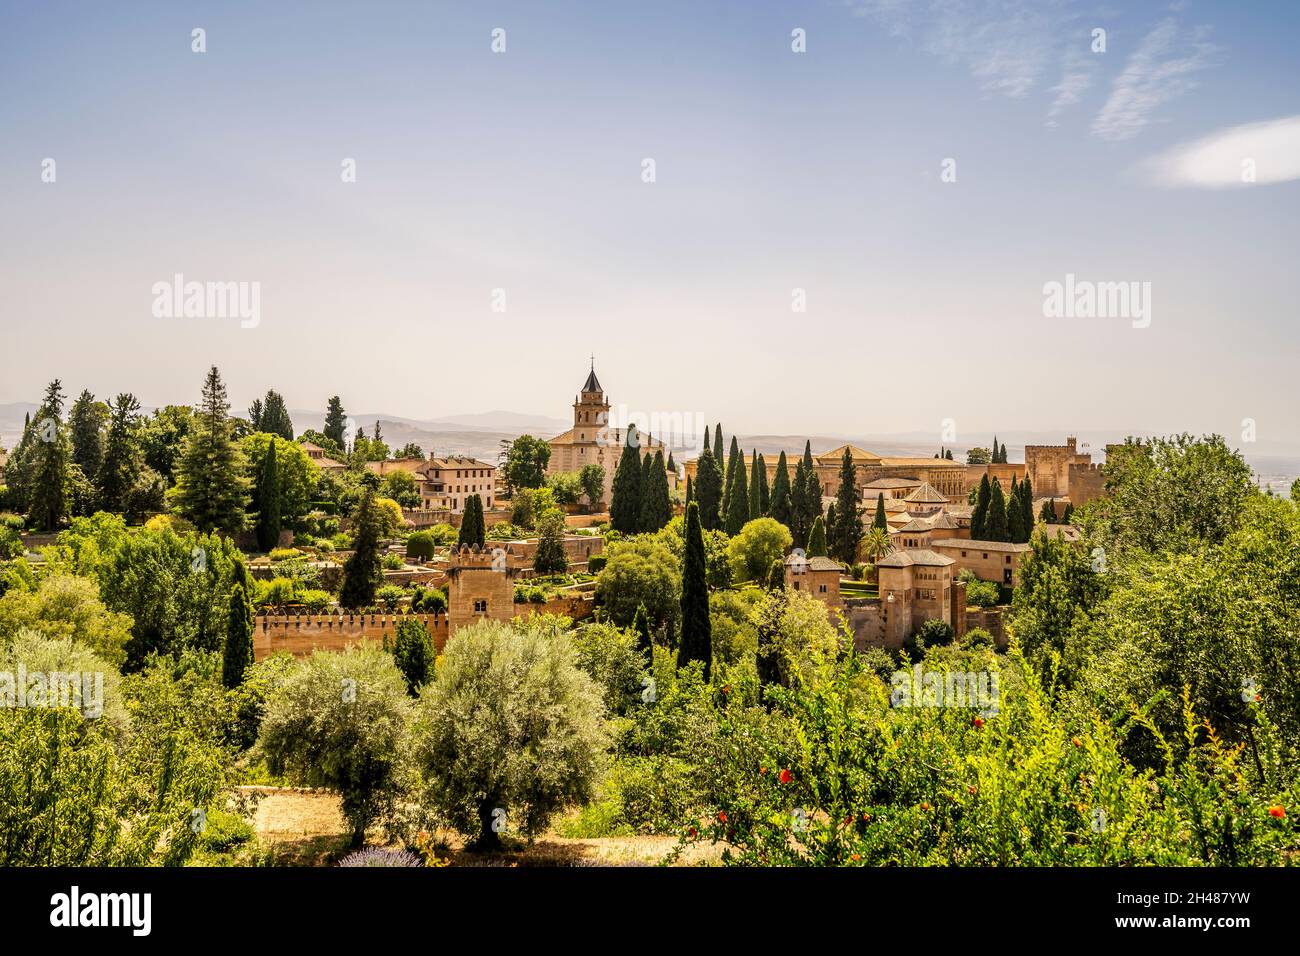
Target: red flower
1257, 698
722, 816
979, 721
726, 688
1276, 811
786, 776
1076, 741
971, 789
855, 857
762, 770
925, 806
694, 832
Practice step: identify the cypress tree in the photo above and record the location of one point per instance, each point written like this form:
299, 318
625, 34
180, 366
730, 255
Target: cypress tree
1027, 506
551, 557
336, 423
734, 460
738, 502
798, 510
689, 490
1069, 513
817, 539
706, 440
1048, 512
362, 573
696, 642
238, 652
672, 465
718, 453
656, 508
644, 518
86, 421
414, 655
121, 462
755, 490
625, 503
805, 497
50, 451
644, 642
764, 493
211, 489
473, 528
268, 500
880, 521
708, 490
996, 528
979, 518
779, 505
846, 529
1015, 516
275, 419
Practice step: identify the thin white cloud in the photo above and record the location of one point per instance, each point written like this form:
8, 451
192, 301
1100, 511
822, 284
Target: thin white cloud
1159, 70
1268, 151
1006, 45
1076, 78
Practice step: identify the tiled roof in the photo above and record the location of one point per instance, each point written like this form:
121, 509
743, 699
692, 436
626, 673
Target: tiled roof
816, 563
927, 495
973, 545
881, 484
837, 454
923, 557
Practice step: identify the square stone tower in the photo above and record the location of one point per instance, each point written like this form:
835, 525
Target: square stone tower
481, 585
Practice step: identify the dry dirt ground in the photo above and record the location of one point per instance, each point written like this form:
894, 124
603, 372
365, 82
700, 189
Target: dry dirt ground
307, 829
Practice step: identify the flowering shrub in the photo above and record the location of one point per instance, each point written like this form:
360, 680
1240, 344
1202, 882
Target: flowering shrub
375, 856
831, 774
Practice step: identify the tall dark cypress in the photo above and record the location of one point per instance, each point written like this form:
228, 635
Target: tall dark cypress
697, 631
846, 529
268, 500
238, 651
779, 506
880, 520
1027, 505
625, 506
644, 642
737, 501
708, 490
656, 509
1015, 515
336, 423
764, 494
362, 573
996, 528
689, 490
798, 510
473, 526
734, 460
718, 452
755, 491
979, 517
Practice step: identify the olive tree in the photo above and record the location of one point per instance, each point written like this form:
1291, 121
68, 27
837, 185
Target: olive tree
510, 733
337, 721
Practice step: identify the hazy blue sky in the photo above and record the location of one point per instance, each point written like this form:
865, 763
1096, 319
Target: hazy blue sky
775, 170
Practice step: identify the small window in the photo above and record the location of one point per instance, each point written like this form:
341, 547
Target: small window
480, 606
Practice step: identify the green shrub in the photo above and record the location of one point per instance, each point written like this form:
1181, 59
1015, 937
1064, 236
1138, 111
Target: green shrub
224, 831
284, 554
420, 546
596, 562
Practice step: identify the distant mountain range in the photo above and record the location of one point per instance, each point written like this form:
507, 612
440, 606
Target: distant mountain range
480, 435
